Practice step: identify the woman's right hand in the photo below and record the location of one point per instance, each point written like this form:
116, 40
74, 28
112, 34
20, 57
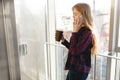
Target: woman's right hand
76, 25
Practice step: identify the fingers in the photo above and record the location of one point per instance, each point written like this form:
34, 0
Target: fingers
76, 25
76, 22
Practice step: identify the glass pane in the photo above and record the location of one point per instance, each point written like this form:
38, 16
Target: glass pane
117, 76
30, 23
101, 13
101, 68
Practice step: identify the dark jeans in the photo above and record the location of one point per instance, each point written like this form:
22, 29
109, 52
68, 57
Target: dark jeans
73, 75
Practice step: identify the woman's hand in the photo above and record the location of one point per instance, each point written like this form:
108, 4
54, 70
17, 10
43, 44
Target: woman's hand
62, 39
76, 25
67, 35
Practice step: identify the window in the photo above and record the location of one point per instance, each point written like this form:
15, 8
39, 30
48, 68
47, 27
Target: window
101, 13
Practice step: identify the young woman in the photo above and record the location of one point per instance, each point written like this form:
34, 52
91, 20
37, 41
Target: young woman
82, 43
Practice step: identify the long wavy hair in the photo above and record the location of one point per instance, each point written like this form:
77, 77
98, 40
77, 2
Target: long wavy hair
87, 21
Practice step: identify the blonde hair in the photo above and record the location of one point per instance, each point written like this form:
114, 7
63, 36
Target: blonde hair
87, 21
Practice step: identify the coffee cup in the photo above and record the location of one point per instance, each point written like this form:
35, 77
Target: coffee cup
58, 35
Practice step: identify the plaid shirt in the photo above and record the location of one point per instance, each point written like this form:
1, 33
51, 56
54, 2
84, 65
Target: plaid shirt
79, 54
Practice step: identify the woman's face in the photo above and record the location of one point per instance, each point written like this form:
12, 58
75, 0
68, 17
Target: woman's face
76, 14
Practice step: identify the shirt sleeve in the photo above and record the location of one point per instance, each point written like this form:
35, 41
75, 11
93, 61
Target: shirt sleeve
66, 44
79, 45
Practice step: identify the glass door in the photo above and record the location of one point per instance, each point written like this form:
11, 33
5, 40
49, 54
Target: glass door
31, 32
102, 17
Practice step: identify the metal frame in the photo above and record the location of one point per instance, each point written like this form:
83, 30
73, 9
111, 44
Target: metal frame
112, 28
50, 16
112, 37
11, 39
117, 49
118, 26
58, 45
4, 68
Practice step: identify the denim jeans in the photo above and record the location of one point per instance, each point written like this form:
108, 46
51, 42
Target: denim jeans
74, 75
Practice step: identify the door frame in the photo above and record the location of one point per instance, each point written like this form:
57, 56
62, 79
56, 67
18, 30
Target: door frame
11, 39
